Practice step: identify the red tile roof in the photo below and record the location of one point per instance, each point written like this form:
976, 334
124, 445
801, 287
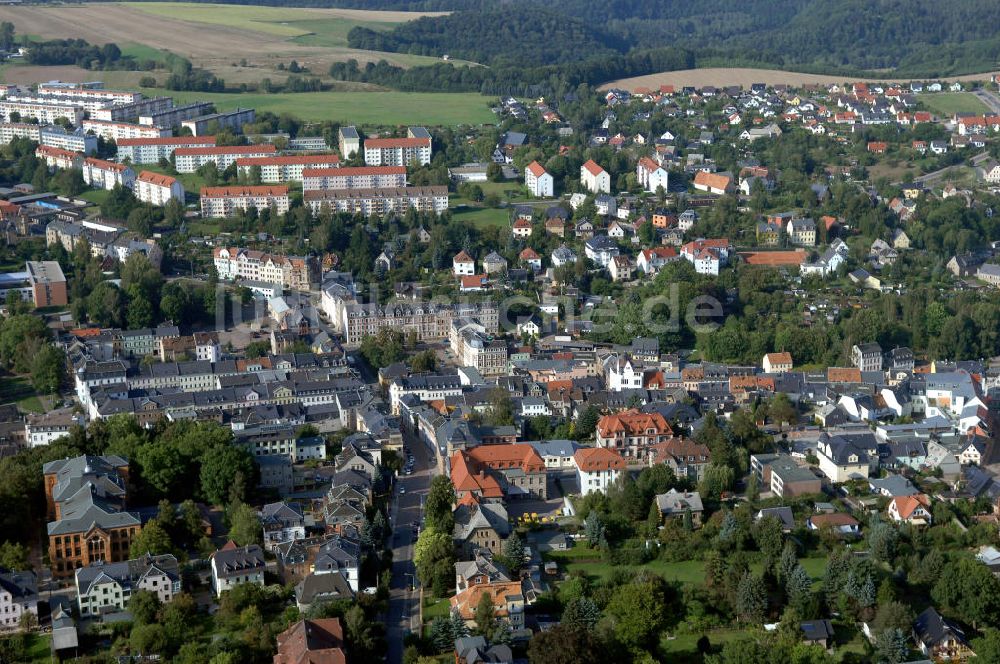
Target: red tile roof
157, 178
593, 168
536, 169
593, 459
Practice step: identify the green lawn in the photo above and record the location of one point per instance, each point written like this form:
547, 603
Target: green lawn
949, 103
18, 389
687, 644
482, 216
435, 608
357, 107
269, 20
95, 196
143, 52
39, 648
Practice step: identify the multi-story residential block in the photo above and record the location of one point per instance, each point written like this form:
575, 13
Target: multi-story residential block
349, 142
354, 177
286, 168
632, 433
11, 130
594, 178
292, 272
102, 174
205, 124
79, 90
494, 471
397, 151
707, 256
189, 160
48, 284
224, 201
802, 232
783, 476
152, 150
18, 596
867, 357
86, 498
43, 428
169, 118
474, 347
538, 180
59, 158
236, 565
651, 176
427, 387
45, 113
158, 189
132, 110
103, 587
116, 131
75, 141
379, 202
428, 320
597, 468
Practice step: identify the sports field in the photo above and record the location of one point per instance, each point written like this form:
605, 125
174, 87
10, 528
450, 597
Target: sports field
361, 108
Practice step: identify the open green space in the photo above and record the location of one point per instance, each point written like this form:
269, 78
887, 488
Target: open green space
359, 108
18, 389
436, 608
481, 216
143, 52
331, 32
949, 103
270, 20
38, 647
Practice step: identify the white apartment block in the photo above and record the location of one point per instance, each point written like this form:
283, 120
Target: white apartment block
59, 89
152, 150
158, 189
275, 170
102, 174
232, 263
189, 160
58, 158
234, 120
174, 116
18, 595
132, 110
377, 202
594, 178
397, 151
116, 131
651, 175
538, 180
224, 201
11, 130
354, 177
46, 114
88, 104
75, 141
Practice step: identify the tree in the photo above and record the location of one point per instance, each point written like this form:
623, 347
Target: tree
438, 505
244, 525
892, 615
638, 611
782, 410
423, 362
593, 528
501, 409
987, 647
47, 369
566, 644
152, 539
221, 468
144, 607
581, 612
434, 558
105, 305
149, 638
513, 553
163, 467
768, 535
968, 589
751, 598
882, 541
382, 349
718, 479
485, 615
14, 556
587, 423
892, 646
798, 588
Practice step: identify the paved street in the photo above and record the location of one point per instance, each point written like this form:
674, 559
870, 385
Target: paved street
990, 99
407, 509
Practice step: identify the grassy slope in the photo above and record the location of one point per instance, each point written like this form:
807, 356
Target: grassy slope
362, 108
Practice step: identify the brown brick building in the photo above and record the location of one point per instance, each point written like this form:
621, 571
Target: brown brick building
48, 285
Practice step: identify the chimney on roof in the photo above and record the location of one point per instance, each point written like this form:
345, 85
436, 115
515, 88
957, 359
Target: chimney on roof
482, 474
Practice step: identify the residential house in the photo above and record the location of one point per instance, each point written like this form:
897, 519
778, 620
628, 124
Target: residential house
713, 183
846, 457
680, 504
538, 181
839, 522
18, 596
777, 362
802, 232
319, 641
282, 522
597, 468
684, 456
633, 433
508, 602
602, 250
939, 638
621, 268
463, 264
108, 587
867, 357
236, 565
480, 525
563, 255
914, 510
594, 178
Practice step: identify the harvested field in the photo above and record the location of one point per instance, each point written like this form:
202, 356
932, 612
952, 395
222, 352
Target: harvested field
724, 76
213, 36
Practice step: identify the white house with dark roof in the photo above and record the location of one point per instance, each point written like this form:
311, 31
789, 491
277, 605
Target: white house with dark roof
108, 587
235, 565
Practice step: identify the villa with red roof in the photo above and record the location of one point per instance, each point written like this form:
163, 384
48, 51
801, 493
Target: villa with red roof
513, 470
531, 258
633, 433
597, 468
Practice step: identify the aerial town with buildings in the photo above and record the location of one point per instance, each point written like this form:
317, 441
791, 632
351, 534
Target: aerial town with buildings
628, 376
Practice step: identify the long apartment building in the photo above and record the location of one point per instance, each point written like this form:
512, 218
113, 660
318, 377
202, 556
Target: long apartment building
88, 104
102, 174
397, 151
378, 202
152, 150
158, 189
189, 160
11, 130
224, 201
76, 141
174, 116
294, 272
132, 110
46, 114
427, 319
116, 131
59, 158
274, 170
59, 89
234, 120
354, 177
